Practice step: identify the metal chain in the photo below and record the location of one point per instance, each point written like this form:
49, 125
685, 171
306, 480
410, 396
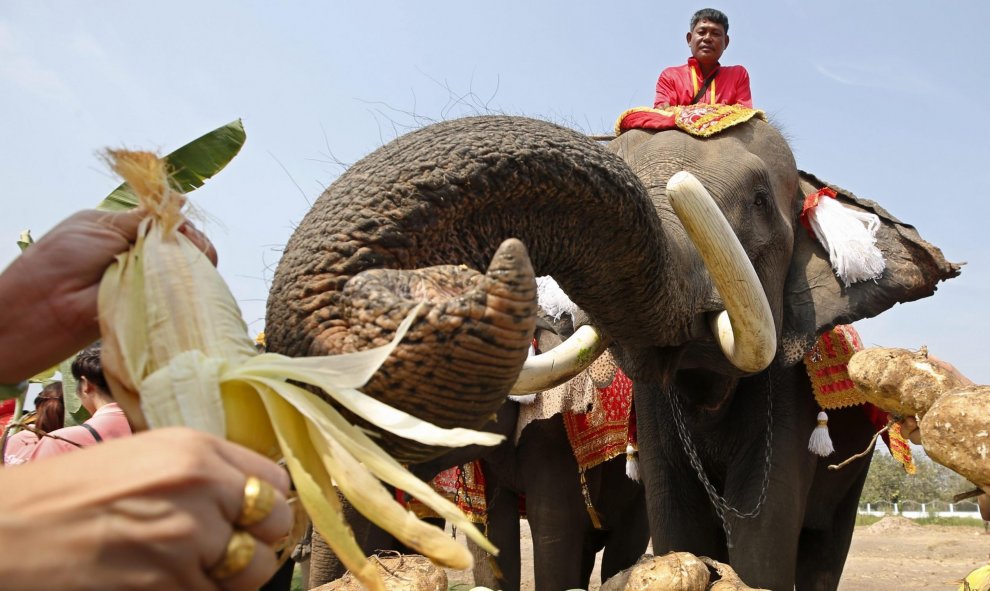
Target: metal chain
721, 506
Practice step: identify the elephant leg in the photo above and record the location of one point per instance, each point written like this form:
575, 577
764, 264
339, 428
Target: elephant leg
555, 507
324, 566
503, 531
622, 503
832, 504
764, 547
674, 489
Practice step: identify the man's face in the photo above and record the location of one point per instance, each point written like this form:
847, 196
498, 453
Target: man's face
707, 41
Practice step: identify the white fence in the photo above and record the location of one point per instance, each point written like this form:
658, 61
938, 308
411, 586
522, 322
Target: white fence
915, 510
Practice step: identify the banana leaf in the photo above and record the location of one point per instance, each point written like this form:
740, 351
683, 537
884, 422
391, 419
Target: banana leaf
191, 165
75, 412
25, 240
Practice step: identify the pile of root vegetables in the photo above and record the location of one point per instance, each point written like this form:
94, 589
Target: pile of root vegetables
677, 571
953, 414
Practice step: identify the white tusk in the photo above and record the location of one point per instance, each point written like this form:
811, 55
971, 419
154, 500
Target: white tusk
745, 330
563, 362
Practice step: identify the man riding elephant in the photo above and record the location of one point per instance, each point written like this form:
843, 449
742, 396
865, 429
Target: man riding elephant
703, 79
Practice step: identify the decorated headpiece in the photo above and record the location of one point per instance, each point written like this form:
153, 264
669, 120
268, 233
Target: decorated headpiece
847, 234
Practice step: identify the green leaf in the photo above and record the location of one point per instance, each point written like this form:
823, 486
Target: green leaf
44, 378
75, 412
190, 165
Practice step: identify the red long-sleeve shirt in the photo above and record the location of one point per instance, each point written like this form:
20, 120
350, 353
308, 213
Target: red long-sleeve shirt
677, 85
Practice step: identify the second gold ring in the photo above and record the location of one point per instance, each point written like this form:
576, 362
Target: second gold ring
259, 500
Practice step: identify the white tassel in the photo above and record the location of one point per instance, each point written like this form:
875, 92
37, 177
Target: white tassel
632, 463
553, 301
820, 443
524, 398
850, 238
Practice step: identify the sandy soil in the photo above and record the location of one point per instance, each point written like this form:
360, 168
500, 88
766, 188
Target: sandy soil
893, 553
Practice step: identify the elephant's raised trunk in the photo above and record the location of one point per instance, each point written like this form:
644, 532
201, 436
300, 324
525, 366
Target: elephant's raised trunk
450, 194
470, 341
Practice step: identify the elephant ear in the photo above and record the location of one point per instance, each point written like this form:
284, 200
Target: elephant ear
815, 299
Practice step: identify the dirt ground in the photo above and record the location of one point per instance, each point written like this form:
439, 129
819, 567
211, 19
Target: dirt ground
894, 553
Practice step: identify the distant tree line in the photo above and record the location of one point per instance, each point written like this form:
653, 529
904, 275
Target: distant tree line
887, 480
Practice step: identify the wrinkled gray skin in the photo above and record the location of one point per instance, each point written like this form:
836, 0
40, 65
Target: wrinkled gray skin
450, 194
542, 467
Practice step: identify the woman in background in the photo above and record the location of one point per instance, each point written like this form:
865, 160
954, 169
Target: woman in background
49, 415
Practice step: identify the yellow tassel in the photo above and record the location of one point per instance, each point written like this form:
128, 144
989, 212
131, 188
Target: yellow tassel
596, 519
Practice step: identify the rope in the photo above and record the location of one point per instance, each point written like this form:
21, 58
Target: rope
869, 449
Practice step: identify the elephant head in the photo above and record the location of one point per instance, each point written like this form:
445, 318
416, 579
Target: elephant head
464, 213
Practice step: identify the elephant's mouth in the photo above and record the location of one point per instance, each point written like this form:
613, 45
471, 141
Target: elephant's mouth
744, 330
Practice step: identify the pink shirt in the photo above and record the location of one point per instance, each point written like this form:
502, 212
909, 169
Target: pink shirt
19, 447
109, 421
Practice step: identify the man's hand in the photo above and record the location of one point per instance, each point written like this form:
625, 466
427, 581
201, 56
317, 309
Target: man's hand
152, 511
49, 293
910, 430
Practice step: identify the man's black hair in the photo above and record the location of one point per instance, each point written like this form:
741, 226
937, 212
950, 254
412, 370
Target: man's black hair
710, 14
87, 365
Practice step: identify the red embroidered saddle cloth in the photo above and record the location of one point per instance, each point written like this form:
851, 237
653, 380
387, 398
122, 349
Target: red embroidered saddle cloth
827, 366
603, 433
462, 485
699, 120
595, 437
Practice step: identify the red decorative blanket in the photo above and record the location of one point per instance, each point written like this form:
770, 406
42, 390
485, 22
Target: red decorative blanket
827, 366
603, 433
699, 120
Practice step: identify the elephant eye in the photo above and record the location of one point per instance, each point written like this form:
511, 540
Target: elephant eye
761, 199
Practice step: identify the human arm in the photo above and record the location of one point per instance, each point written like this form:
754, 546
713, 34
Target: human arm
666, 91
153, 511
49, 293
744, 96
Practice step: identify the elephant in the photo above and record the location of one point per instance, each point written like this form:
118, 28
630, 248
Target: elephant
455, 214
540, 466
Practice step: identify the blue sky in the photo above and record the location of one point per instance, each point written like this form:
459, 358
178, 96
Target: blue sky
882, 98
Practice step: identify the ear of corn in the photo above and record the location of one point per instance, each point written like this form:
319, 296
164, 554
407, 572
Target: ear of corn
176, 352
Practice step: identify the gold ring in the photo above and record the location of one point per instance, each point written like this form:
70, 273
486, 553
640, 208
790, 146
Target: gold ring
259, 500
237, 556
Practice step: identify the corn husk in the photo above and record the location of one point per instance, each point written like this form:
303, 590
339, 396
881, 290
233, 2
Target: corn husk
177, 352
976, 580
